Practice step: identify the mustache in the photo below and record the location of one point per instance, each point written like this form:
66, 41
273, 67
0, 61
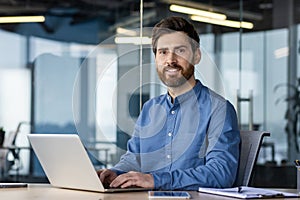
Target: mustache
172, 66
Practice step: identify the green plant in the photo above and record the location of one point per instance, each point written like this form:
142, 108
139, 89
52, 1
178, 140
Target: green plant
293, 110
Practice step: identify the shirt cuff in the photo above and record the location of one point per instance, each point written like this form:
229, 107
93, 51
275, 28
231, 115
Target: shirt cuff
162, 180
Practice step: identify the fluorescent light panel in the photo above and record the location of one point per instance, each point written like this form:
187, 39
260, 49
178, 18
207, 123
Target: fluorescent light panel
133, 40
229, 23
282, 52
22, 19
193, 11
124, 31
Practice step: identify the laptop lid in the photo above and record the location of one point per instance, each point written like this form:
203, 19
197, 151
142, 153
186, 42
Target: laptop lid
66, 163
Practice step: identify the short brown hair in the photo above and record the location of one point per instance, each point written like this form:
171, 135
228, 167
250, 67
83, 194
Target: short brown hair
173, 24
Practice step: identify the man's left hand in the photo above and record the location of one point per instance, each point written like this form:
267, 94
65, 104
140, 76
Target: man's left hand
133, 179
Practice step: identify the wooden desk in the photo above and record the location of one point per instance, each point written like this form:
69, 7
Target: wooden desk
46, 192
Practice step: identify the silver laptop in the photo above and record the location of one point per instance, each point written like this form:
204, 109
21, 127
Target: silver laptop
66, 163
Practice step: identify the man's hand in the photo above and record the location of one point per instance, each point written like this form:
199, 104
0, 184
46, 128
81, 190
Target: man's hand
133, 179
106, 176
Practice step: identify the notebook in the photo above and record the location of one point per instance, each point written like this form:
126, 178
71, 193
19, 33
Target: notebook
66, 163
244, 192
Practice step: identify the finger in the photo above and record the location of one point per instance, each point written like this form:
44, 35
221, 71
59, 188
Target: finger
129, 183
99, 172
103, 175
121, 179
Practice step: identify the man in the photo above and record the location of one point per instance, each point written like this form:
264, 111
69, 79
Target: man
186, 138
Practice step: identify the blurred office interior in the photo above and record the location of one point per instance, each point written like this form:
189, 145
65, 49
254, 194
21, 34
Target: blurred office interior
87, 67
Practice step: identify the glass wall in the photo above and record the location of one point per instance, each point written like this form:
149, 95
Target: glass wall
264, 68
97, 90
15, 91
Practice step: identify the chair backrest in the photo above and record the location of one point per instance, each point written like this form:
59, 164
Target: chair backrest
250, 145
9, 141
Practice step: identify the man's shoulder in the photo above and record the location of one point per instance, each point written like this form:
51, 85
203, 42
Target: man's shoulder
215, 98
203, 90
156, 100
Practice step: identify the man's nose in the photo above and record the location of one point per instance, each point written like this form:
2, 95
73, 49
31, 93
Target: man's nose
171, 58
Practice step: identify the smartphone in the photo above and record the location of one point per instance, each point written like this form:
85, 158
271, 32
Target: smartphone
168, 195
13, 185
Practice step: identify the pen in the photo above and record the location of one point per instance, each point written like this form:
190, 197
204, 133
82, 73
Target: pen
266, 195
270, 195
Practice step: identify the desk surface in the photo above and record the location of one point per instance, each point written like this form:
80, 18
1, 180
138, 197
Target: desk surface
46, 192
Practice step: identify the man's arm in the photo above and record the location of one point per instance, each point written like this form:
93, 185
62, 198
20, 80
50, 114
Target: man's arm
219, 171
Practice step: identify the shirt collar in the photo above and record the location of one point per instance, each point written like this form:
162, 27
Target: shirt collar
183, 97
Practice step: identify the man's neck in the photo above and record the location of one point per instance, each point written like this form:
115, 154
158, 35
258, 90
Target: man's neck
187, 86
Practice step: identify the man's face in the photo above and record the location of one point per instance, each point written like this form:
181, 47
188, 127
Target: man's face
175, 59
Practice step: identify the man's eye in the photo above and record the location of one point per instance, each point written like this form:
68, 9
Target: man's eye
162, 52
180, 51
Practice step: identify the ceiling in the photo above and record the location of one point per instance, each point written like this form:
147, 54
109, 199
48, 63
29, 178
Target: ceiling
265, 14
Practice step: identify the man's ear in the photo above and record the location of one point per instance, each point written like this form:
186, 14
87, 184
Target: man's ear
197, 56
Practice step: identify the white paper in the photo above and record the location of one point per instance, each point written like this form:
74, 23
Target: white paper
247, 192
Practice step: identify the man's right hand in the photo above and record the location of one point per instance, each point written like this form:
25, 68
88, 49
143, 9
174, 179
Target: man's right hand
106, 176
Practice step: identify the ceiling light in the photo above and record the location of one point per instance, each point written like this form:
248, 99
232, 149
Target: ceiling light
133, 40
124, 31
193, 11
282, 52
230, 23
22, 19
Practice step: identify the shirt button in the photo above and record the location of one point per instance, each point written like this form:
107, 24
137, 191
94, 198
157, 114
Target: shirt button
168, 156
172, 112
170, 134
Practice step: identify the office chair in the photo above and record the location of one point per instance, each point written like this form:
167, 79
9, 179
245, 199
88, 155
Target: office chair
250, 145
9, 143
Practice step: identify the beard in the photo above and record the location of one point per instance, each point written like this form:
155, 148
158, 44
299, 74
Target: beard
175, 80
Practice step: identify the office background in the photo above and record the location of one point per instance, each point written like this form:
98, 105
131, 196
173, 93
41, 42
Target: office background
72, 73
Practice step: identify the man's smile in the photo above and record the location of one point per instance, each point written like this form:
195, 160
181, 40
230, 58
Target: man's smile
172, 71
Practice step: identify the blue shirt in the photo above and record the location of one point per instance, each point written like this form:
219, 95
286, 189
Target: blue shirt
190, 143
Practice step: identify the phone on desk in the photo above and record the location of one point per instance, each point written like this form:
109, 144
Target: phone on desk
168, 195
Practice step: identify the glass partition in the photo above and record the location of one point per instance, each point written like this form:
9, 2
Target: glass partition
97, 90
